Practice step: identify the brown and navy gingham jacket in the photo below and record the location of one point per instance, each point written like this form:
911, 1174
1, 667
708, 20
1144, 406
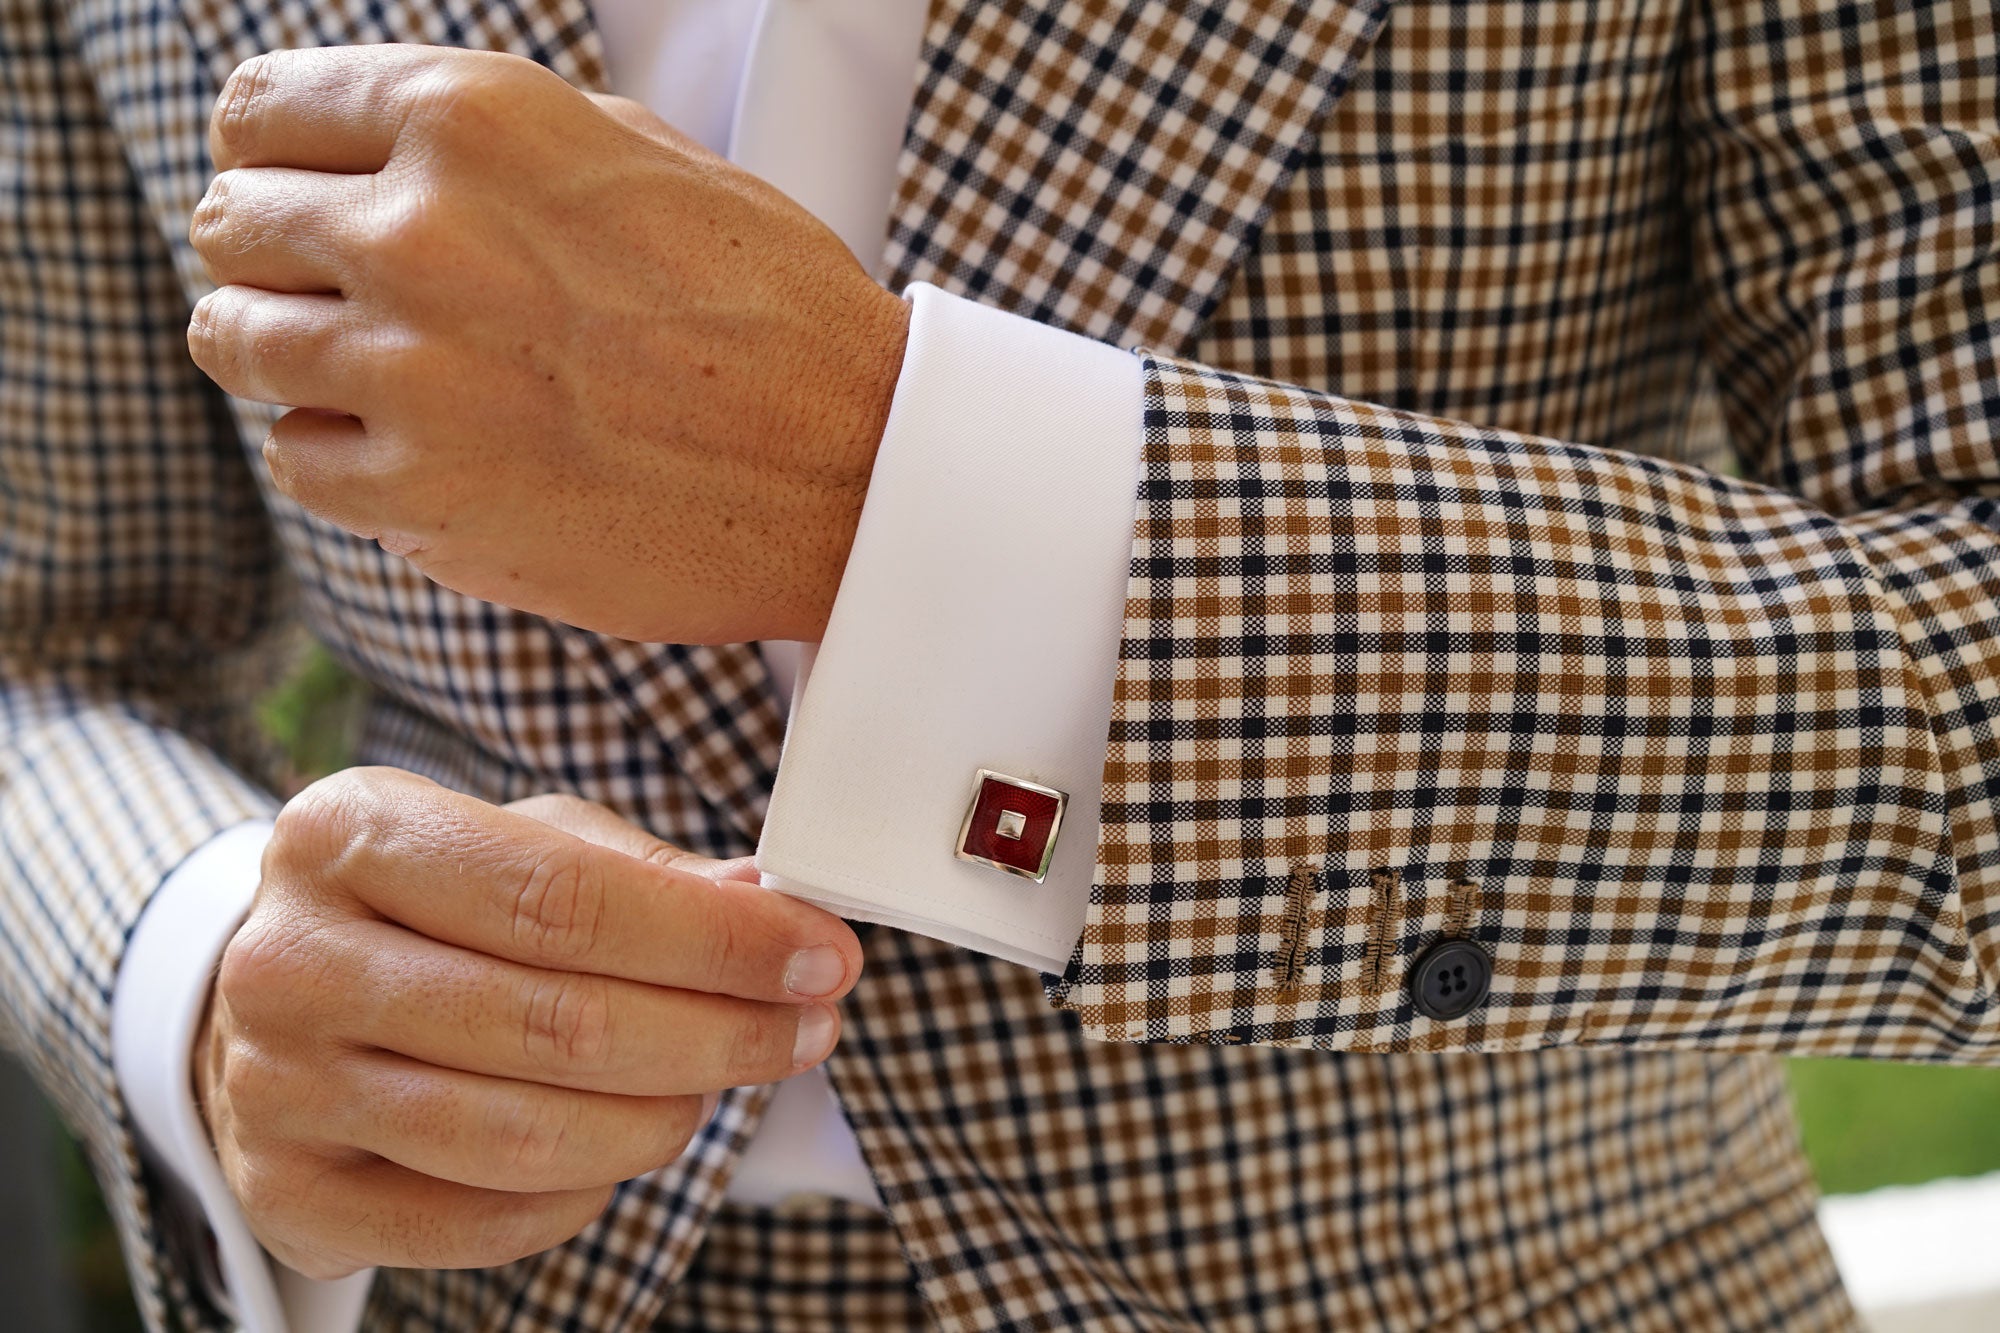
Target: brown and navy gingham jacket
1570, 520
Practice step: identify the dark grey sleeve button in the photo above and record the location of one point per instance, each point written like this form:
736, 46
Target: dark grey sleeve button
1450, 979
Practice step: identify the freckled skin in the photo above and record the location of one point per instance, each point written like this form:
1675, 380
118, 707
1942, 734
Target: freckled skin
573, 362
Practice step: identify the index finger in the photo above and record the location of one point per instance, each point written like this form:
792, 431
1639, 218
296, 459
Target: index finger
323, 108
471, 874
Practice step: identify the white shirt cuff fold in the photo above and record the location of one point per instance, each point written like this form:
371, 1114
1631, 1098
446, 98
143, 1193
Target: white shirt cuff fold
163, 983
977, 626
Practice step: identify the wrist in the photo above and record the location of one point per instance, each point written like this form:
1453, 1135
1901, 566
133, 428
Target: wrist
870, 365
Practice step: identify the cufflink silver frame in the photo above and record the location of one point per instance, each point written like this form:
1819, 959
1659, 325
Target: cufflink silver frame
1011, 824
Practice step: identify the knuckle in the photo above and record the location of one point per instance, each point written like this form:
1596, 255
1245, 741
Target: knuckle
411, 240
475, 90
363, 788
260, 1185
269, 344
726, 945
260, 961
329, 824
747, 947
568, 1023
280, 1189
404, 234
289, 482
232, 336
243, 353
204, 333
243, 1084
558, 909
312, 830
391, 369
205, 228
531, 1133
239, 102
530, 1224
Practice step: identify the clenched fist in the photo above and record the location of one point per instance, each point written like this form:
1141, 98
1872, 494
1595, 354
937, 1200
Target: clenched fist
551, 351
447, 1029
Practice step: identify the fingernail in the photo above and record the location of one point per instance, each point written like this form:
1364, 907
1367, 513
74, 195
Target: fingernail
815, 972
815, 1037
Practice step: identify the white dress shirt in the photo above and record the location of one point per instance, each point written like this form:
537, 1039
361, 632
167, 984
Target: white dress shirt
983, 496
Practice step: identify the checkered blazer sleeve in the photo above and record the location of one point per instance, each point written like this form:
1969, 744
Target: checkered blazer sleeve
1696, 761
132, 553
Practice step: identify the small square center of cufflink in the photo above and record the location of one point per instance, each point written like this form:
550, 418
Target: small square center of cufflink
1011, 825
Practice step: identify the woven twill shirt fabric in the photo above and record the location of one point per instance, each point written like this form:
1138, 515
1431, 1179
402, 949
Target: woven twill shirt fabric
1570, 523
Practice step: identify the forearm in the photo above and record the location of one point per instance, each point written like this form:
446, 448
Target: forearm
1673, 732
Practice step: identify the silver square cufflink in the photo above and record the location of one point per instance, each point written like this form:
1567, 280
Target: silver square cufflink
1011, 825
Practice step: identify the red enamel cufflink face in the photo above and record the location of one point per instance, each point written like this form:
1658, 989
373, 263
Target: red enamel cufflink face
1011, 825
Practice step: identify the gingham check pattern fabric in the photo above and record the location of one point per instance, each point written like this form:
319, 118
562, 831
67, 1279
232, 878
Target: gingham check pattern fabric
1714, 757
809, 1265
1366, 645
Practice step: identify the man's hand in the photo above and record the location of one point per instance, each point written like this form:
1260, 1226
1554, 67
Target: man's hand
556, 354
447, 1029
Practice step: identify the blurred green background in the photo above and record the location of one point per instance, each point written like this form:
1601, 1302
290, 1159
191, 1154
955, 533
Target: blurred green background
1865, 1124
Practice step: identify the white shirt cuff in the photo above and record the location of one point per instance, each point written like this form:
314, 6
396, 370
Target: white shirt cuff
156, 1006
977, 626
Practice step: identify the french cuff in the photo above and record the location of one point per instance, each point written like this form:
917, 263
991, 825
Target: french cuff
156, 1007
976, 629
